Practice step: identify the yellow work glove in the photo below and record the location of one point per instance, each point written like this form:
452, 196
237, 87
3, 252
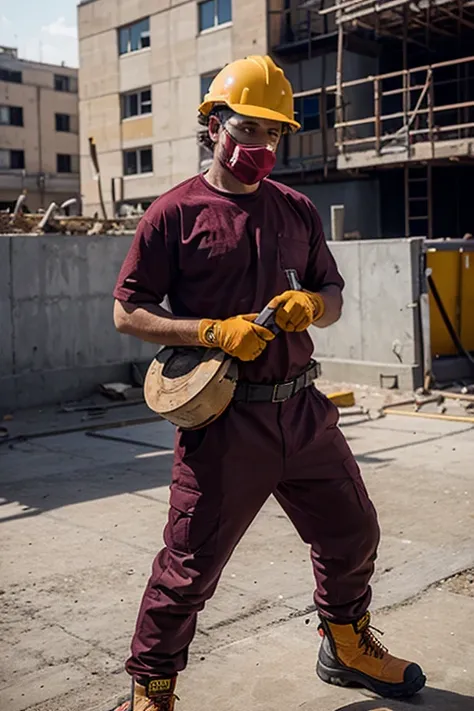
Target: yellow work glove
297, 310
238, 336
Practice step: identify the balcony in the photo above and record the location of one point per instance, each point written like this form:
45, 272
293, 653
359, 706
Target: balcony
421, 114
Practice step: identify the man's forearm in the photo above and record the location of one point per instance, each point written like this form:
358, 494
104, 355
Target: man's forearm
332, 306
154, 324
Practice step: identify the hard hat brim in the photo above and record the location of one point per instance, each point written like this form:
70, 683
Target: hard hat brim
251, 111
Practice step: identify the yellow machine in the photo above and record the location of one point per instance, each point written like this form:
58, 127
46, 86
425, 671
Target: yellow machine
452, 265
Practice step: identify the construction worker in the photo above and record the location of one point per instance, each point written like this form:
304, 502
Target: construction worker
218, 246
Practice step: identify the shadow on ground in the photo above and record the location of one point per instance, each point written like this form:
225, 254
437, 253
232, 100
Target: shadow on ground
429, 699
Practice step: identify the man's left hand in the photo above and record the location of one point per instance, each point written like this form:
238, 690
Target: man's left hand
297, 310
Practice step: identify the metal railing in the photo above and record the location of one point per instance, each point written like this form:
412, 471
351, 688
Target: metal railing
408, 106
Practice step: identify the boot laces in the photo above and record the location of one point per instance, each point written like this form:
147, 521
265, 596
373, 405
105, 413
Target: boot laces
372, 646
161, 703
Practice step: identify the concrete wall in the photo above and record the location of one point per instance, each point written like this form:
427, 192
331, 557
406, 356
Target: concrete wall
58, 339
59, 342
378, 334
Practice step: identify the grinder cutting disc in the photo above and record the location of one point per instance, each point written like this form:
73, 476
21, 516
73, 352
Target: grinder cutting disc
190, 387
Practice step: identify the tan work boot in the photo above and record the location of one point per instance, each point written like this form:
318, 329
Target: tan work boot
155, 695
352, 655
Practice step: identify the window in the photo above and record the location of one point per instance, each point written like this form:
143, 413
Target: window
63, 122
64, 82
12, 160
136, 103
307, 110
63, 163
134, 37
206, 81
17, 159
66, 163
137, 161
213, 13
11, 76
11, 115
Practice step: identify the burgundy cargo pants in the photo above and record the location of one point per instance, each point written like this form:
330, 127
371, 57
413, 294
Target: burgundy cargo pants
222, 476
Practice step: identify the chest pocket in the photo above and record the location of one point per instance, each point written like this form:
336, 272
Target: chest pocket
293, 253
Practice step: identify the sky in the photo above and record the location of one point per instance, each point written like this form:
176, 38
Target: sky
42, 30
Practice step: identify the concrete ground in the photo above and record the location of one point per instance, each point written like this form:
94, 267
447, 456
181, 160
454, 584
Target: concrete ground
82, 518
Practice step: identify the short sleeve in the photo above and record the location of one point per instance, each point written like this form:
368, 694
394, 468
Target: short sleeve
322, 268
145, 275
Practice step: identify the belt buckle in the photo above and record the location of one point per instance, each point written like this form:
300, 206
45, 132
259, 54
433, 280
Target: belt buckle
290, 386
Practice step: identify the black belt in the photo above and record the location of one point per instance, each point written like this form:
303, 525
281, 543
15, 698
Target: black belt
276, 392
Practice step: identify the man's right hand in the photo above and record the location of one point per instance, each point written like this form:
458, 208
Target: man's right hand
238, 336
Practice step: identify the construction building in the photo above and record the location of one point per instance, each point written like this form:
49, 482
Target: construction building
144, 65
392, 117
39, 132
385, 95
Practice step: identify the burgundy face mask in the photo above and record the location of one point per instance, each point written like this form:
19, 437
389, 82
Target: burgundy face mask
249, 164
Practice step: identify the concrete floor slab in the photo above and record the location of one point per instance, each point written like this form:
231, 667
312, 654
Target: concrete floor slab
81, 520
276, 668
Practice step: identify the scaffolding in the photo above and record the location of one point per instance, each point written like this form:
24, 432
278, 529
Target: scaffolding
419, 13
416, 116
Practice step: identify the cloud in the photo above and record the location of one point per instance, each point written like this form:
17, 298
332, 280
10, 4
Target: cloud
58, 28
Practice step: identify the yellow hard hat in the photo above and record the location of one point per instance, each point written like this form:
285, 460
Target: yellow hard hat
255, 87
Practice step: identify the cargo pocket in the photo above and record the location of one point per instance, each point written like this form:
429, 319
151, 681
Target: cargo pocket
327, 410
193, 521
352, 468
191, 442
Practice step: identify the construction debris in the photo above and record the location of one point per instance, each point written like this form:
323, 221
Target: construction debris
49, 223
449, 406
430, 415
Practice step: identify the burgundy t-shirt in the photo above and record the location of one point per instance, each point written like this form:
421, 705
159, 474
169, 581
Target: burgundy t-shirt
215, 255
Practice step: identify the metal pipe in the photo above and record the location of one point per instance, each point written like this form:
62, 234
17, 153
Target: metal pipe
431, 113
399, 114
352, 4
443, 129
456, 396
391, 75
339, 96
45, 219
406, 188
429, 189
68, 203
430, 416
20, 200
377, 109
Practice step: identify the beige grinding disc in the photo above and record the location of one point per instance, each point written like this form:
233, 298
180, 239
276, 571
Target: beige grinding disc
190, 386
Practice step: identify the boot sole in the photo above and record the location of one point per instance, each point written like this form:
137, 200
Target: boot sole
346, 677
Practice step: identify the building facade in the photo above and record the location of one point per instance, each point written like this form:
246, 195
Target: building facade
391, 88
144, 65
39, 132
384, 93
